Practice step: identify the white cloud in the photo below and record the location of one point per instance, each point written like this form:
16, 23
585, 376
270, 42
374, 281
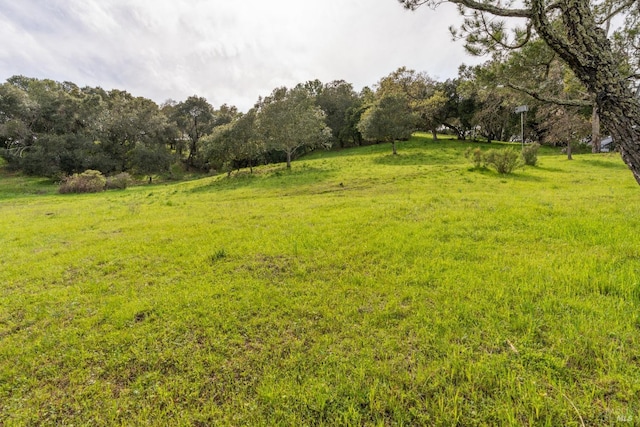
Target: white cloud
228, 51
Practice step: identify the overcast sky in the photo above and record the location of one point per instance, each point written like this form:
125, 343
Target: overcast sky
229, 51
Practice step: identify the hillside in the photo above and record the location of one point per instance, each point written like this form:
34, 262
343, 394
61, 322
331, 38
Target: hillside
359, 288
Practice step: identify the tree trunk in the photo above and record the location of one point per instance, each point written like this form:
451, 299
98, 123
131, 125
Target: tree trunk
288, 159
193, 147
586, 49
393, 144
458, 131
434, 134
503, 129
595, 130
624, 124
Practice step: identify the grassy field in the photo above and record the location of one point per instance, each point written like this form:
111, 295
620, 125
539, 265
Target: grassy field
359, 288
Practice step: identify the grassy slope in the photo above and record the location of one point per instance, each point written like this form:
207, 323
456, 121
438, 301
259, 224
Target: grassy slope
359, 288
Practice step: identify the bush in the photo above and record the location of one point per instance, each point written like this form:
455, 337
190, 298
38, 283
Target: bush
530, 154
89, 181
503, 161
475, 156
119, 181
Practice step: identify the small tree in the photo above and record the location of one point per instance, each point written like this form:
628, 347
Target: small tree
194, 118
234, 143
339, 101
248, 147
388, 120
564, 125
289, 121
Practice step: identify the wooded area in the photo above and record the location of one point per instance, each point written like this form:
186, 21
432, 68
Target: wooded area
569, 78
55, 129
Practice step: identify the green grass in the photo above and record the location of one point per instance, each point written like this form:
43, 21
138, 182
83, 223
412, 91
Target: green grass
360, 288
14, 185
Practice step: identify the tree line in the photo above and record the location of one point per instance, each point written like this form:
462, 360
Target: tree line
572, 62
55, 129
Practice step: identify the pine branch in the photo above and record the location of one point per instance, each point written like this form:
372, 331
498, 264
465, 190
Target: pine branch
551, 100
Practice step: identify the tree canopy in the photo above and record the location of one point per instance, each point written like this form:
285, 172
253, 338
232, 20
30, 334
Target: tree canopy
388, 119
289, 121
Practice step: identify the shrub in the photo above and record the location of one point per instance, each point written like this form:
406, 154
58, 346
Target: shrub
89, 181
475, 156
119, 181
504, 161
530, 154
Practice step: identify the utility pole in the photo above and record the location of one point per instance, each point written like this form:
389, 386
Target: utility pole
522, 109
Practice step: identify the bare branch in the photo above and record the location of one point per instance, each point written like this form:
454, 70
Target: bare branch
551, 100
613, 13
491, 34
472, 4
553, 6
494, 10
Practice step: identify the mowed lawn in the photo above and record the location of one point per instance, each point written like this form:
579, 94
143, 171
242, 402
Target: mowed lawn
359, 288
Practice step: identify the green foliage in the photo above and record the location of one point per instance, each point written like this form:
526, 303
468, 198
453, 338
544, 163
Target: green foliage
151, 159
341, 106
234, 144
358, 289
530, 154
289, 122
476, 156
389, 119
504, 161
89, 181
177, 171
119, 181
195, 118
52, 129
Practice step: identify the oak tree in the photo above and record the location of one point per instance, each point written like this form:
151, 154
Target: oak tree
289, 121
195, 118
389, 119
